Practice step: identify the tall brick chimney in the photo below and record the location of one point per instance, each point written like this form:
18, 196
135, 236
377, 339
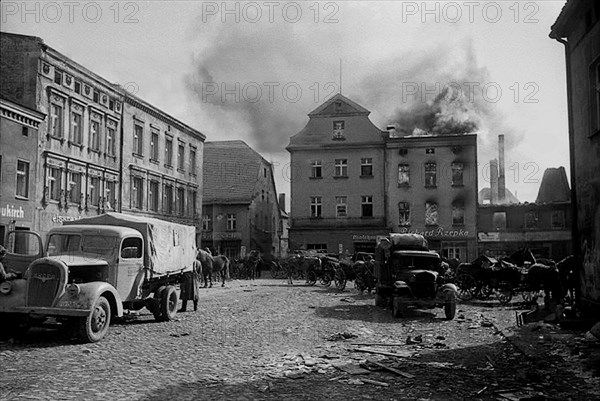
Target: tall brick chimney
501, 173
282, 202
494, 182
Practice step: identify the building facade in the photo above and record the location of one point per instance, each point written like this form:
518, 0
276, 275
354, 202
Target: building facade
431, 189
19, 158
88, 161
162, 165
578, 29
240, 203
337, 182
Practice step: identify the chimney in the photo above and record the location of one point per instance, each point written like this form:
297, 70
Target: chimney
282, 202
391, 129
494, 182
501, 176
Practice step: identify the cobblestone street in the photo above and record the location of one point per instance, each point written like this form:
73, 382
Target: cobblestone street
269, 340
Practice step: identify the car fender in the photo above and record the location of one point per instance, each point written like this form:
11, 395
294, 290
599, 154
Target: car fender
15, 298
87, 296
401, 288
449, 287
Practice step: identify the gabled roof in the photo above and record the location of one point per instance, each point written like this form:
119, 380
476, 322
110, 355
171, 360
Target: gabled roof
554, 186
358, 128
231, 171
346, 107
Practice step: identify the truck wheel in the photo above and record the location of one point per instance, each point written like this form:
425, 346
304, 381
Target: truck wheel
16, 326
93, 327
398, 307
168, 303
153, 305
450, 306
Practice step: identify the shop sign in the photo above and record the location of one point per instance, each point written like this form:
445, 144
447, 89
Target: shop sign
57, 218
488, 237
223, 236
437, 232
364, 237
12, 212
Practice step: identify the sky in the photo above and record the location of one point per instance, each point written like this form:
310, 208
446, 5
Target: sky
254, 70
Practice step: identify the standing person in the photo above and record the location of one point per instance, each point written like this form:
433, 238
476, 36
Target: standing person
4, 275
189, 287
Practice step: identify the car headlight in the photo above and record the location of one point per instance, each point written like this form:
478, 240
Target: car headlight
73, 290
5, 287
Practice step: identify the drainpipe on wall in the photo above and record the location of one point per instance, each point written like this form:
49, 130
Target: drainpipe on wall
574, 214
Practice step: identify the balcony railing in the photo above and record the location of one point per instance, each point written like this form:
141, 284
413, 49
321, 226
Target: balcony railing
341, 222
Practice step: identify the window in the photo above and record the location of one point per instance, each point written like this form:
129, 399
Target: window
153, 196
595, 100
316, 169
403, 174
458, 214
366, 167
111, 195
531, 219
154, 146
453, 250
431, 213
180, 156
54, 183
338, 130
25, 131
231, 222
181, 201
77, 87
457, 174
193, 160
56, 120
557, 219
137, 192
367, 206
430, 174
168, 201
138, 140
206, 222
74, 186
94, 135
340, 206
404, 214
169, 151
57, 77
499, 221
316, 247
131, 248
94, 191
315, 206
76, 128
96, 96
194, 200
22, 179
341, 167
110, 141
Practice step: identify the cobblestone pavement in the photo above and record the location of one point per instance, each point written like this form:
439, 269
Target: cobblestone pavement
268, 340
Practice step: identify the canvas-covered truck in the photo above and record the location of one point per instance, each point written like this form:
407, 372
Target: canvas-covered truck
94, 269
409, 274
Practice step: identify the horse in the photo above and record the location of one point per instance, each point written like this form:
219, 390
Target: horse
300, 264
540, 276
218, 264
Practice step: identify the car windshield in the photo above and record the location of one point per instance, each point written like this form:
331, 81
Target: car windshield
415, 262
77, 245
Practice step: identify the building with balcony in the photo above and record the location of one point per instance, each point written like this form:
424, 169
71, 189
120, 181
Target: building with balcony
337, 180
240, 206
19, 157
578, 29
431, 189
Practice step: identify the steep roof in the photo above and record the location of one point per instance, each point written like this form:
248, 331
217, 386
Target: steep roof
358, 128
554, 186
231, 171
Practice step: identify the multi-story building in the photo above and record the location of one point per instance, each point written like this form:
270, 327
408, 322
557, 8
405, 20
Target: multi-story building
162, 165
431, 189
337, 180
240, 204
578, 28
18, 166
95, 152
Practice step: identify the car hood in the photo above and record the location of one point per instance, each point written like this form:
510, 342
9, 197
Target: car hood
72, 260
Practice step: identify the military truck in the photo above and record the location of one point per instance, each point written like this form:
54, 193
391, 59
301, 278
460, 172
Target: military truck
94, 269
409, 275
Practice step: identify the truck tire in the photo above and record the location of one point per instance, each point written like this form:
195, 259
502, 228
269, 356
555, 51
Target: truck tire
93, 327
154, 304
168, 304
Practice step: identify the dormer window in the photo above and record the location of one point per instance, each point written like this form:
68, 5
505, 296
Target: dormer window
338, 130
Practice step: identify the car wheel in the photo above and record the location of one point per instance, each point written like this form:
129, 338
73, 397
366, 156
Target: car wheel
93, 327
168, 304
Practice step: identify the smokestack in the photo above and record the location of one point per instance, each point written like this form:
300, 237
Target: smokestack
282, 202
494, 182
501, 176
392, 131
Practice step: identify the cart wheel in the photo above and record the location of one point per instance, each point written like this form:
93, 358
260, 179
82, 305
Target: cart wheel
485, 291
466, 286
505, 292
340, 280
311, 278
326, 280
